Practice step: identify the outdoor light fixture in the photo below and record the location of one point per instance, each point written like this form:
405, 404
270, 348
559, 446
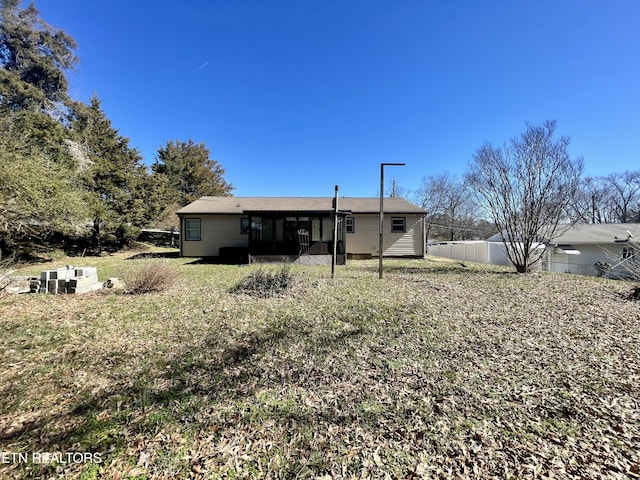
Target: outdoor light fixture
381, 248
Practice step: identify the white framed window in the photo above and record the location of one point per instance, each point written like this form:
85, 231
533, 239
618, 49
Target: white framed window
192, 229
398, 224
351, 225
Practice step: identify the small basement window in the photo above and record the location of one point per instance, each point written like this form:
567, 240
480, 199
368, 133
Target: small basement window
192, 229
398, 224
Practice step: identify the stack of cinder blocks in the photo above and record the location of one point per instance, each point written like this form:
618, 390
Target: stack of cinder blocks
68, 280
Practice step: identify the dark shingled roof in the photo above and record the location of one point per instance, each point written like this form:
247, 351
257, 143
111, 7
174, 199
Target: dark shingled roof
244, 205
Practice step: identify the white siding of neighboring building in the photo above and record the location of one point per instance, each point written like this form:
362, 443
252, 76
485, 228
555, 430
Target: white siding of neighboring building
553, 260
497, 254
216, 231
583, 264
365, 239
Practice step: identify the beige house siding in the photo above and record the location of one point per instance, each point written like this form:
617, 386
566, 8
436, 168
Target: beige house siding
365, 239
216, 231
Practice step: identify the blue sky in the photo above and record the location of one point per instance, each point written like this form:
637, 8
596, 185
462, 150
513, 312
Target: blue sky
294, 97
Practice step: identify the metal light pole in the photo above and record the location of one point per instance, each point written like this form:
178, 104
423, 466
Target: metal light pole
380, 249
334, 253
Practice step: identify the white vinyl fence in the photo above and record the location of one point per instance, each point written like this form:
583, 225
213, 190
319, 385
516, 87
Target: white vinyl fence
479, 251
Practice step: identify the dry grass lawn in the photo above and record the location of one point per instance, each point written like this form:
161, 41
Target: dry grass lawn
439, 371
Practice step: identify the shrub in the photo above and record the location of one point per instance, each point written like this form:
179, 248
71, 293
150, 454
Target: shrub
5, 271
152, 276
264, 282
602, 268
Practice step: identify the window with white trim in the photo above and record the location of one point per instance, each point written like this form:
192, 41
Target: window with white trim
192, 229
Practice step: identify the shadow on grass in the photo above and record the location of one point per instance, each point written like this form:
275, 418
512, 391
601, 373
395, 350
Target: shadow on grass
213, 261
213, 372
144, 255
455, 268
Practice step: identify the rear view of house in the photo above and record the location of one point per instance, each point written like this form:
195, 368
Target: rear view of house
290, 226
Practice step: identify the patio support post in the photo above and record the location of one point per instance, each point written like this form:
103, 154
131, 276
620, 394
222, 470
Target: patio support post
381, 243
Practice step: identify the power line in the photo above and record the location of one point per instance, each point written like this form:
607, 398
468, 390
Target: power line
451, 227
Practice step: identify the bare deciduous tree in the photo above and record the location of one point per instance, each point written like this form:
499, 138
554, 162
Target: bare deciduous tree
614, 198
527, 186
625, 189
451, 213
625, 263
592, 202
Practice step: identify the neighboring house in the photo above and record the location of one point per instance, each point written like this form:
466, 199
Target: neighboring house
291, 226
579, 248
574, 250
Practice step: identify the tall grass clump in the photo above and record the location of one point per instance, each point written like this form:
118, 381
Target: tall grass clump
265, 282
151, 276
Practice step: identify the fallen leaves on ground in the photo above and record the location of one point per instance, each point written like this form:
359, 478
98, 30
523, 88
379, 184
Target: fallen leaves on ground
435, 372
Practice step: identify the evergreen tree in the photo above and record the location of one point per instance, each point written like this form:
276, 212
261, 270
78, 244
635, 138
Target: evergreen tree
38, 197
190, 172
74, 152
39, 193
34, 58
115, 177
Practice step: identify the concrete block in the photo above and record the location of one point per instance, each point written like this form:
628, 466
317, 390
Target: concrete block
57, 286
86, 272
68, 279
44, 280
65, 273
85, 288
82, 281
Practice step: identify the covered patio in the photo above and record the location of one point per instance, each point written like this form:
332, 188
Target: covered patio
294, 233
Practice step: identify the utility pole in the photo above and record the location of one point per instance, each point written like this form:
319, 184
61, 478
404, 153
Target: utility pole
381, 243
